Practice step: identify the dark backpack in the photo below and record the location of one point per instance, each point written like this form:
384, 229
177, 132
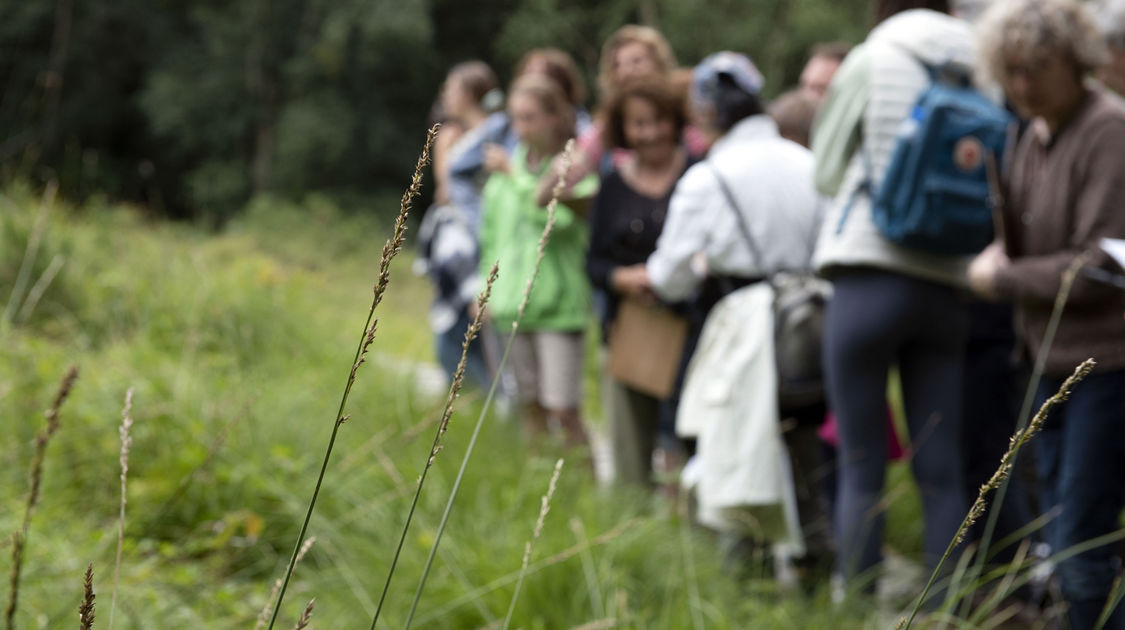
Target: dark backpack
935, 194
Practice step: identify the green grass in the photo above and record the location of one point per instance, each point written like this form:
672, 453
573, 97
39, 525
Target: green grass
238, 345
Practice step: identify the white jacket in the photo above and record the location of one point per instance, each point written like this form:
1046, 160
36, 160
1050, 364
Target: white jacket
771, 179
871, 95
729, 403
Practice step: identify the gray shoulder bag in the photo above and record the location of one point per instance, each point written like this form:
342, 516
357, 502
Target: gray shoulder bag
798, 316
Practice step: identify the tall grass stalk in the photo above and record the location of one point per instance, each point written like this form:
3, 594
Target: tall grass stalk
1111, 602
86, 609
564, 168
1069, 552
19, 539
40, 287
390, 249
443, 426
1019, 439
1073, 551
264, 616
504, 580
1065, 285
593, 585
306, 616
126, 443
31, 252
544, 507
694, 602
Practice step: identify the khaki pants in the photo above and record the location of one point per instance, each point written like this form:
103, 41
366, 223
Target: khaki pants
633, 425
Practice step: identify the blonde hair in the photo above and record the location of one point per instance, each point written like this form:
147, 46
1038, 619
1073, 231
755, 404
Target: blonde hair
1028, 28
658, 46
550, 96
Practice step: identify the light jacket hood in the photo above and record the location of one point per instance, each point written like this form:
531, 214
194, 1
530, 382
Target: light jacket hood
932, 37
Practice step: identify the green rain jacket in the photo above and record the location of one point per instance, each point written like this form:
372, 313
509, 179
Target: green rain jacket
510, 229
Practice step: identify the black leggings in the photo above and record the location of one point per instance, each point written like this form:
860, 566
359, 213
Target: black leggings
877, 319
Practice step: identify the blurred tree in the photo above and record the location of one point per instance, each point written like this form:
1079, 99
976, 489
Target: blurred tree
69, 72
192, 106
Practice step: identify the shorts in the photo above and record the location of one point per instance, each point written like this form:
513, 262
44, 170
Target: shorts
548, 368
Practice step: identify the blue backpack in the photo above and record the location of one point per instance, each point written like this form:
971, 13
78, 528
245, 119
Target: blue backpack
936, 194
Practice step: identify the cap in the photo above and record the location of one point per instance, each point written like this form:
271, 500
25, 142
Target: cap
738, 67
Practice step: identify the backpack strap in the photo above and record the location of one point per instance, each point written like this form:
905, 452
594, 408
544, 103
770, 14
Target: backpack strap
751, 243
934, 73
866, 186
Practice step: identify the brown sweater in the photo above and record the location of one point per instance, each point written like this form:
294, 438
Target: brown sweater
1065, 193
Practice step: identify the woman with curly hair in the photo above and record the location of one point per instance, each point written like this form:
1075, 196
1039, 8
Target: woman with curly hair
1064, 193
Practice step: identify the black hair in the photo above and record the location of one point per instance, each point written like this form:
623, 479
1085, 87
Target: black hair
733, 104
883, 9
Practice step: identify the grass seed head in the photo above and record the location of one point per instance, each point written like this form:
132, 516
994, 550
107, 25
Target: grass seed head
86, 609
303, 622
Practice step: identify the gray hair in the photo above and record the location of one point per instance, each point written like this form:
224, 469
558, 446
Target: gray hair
1111, 19
970, 10
1027, 27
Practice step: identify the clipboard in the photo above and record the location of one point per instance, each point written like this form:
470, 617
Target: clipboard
1115, 249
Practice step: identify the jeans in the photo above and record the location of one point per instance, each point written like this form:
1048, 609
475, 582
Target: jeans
1081, 466
449, 353
876, 319
992, 388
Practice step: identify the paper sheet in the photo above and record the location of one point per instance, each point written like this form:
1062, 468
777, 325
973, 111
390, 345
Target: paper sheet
1115, 247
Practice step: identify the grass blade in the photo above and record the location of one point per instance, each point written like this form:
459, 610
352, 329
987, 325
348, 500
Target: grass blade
23, 276
567, 160
390, 250
264, 616
980, 504
544, 507
1065, 286
1111, 603
126, 443
19, 539
443, 426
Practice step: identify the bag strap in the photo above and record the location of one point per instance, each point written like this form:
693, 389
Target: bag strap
866, 186
751, 243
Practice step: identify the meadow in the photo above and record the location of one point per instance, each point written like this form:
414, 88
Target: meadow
237, 345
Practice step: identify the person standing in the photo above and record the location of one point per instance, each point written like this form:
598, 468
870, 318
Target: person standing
448, 234
547, 355
1064, 194
892, 305
824, 61
645, 116
755, 186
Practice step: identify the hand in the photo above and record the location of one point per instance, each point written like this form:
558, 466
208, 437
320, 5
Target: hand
577, 171
496, 159
983, 270
579, 168
632, 281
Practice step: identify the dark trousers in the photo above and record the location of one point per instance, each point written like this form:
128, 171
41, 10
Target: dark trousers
992, 389
876, 319
448, 346
1081, 465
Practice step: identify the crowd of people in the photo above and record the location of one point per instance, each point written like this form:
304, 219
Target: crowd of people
691, 199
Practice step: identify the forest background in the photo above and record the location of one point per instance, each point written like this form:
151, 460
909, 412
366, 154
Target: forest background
192, 107
192, 199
